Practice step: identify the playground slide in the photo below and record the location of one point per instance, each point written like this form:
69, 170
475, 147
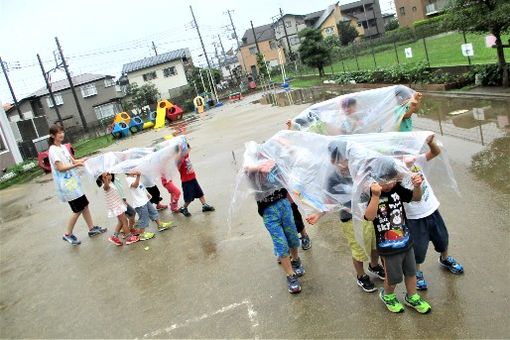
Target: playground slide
160, 116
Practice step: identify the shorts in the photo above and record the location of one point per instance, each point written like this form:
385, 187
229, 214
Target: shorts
426, 229
78, 204
359, 253
146, 212
399, 264
298, 219
191, 190
155, 194
279, 222
130, 211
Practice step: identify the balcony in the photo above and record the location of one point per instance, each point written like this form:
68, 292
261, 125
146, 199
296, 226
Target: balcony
435, 7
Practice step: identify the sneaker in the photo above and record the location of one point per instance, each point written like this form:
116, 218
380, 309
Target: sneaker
293, 284
365, 284
421, 284
377, 271
160, 206
96, 230
135, 231
71, 239
132, 239
174, 207
115, 240
391, 302
184, 211
207, 207
146, 236
164, 226
452, 265
418, 303
306, 243
298, 267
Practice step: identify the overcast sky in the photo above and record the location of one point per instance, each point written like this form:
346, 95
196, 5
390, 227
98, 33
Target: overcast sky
99, 36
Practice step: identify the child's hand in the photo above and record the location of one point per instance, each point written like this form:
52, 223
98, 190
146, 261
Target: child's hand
313, 218
289, 124
430, 139
135, 173
417, 180
105, 178
376, 189
267, 166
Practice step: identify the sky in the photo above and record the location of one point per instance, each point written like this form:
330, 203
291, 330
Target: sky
99, 36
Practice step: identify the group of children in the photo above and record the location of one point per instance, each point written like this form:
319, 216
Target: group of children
398, 222
145, 194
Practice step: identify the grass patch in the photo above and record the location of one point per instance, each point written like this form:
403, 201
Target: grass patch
89, 146
22, 177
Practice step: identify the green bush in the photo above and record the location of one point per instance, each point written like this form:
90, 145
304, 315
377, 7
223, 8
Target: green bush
430, 27
490, 74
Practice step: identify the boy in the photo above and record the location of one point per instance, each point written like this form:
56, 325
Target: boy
425, 222
190, 187
143, 206
385, 209
408, 104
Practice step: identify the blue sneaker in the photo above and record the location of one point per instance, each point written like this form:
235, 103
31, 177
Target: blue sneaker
71, 239
421, 284
293, 284
298, 267
96, 230
306, 243
452, 265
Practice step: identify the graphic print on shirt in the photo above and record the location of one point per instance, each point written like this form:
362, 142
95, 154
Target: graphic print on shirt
391, 224
425, 193
189, 166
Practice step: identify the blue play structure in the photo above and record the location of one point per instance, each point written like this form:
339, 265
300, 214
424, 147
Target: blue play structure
120, 130
136, 124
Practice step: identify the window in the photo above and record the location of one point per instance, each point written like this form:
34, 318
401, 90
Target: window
88, 90
329, 30
288, 23
273, 45
58, 100
253, 50
106, 110
402, 11
3, 146
294, 41
109, 82
369, 7
169, 71
414, 8
149, 76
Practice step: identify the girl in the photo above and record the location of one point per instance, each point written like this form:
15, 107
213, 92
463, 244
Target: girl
116, 207
68, 185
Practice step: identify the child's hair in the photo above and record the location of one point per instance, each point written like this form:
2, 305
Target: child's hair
337, 150
347, 102
99, 179
54, 129
383, 168
402, 93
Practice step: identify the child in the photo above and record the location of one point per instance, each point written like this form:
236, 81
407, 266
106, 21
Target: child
174, 192
338, 183
408, 104
190, 186
276, 212
394, 244
68, 185
153, 190
116, 207
426, 224
143, 207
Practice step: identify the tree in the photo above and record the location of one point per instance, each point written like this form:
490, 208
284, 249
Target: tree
313, 50
392, 25
483, 16
347, 32
142, 95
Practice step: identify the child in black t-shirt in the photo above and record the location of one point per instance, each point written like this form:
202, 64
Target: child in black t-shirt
393, 240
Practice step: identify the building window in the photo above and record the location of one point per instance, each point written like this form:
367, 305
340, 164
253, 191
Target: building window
294, 41
88, 90
329, 30
369, 7
253, 50
58, 100
149, 76
402, 11
273, 45
288, 23
414, 8
109, 82
169, 71
3, 145
106, 110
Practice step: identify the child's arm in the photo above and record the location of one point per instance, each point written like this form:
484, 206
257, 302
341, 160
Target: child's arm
414, 104
106, 182
314, 218
371, 211
417, 180
61, 167
136, 183
434, 149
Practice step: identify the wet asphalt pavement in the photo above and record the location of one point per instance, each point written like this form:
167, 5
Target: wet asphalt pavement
208, 279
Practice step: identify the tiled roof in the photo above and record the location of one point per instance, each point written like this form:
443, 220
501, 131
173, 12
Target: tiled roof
325, 14
64, 83
156, 60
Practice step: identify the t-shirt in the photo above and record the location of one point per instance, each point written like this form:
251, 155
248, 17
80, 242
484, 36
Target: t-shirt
406, 124
116, 206
186, 170
391, 231
139, 194
67, 182
270, 200
428, 203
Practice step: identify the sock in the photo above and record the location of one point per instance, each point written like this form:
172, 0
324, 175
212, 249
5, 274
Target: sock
116, 234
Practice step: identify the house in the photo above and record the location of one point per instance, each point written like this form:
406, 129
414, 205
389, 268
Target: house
230, 68
289, 35
167, 71
409, 11
9, 152
368, 15
268, 45
388, 17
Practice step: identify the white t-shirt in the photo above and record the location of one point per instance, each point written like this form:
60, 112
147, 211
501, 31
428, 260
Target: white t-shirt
428, 203
139, 194
67, 182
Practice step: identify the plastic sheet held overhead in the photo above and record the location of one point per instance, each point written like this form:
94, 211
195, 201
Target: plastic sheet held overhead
370, 111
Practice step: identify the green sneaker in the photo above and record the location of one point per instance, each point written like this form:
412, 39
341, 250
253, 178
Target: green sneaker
418, 303
146, 236
391, 302
164, 226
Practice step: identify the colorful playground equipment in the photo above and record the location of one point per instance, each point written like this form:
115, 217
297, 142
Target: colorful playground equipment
120, 129
136, 124
167, 110
199, 103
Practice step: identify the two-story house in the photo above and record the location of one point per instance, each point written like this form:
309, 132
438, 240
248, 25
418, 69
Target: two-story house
290, 33
409, 11
167, 71
368, 15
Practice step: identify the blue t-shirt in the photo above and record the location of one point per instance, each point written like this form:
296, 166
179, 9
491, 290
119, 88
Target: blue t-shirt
68, 182
406, 124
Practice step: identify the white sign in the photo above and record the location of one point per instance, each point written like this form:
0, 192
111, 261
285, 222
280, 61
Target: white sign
409, 52
479, 113
490, 41
467, 50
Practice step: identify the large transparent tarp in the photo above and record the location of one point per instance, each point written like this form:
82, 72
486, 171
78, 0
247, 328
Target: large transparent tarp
370, 111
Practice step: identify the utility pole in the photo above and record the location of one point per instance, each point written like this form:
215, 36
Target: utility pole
225, 58
237, 41
203, 49
73, 90
48, 86
286, 36
255, 37
10, 88
154, 48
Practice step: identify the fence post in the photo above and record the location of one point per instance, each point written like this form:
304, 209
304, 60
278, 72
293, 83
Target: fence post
396, 53
426, 52
343, 65
465, 42
355, 56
